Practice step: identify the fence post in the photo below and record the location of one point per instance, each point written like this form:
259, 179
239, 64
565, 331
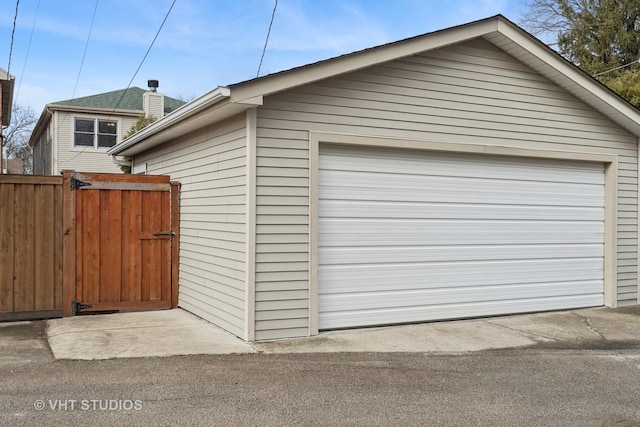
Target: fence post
69, 244
175, 241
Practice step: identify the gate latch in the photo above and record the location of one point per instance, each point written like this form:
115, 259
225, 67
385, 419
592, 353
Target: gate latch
169, 234
76, 306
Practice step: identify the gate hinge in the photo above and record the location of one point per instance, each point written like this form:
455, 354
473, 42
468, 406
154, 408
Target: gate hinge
76, 306
76, 183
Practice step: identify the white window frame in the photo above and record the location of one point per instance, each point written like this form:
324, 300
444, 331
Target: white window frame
96, 121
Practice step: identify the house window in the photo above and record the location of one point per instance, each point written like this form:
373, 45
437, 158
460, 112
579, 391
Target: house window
95, 133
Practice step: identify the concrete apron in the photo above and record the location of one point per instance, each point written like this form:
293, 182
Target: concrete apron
177, 332
140, 334
595, 328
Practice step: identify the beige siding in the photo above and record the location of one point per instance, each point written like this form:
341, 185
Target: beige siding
469, 93
85, 159
42, 154
211, 165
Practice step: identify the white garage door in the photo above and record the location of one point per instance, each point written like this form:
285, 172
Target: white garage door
407, 236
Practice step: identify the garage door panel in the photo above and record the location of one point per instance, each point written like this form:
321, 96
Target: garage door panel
440, 195
422, 297
408, 236
472, 195
344, 180
332, 320
444, 232
330, 256
439, 164
394, 209
454, 274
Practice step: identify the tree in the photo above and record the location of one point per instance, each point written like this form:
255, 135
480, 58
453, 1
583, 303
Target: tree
141, 123
596, 35
16, 136
627, 84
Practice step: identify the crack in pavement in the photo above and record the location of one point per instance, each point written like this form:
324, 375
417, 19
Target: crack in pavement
590, 326
527, 333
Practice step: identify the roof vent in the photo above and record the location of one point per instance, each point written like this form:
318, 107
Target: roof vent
153, 85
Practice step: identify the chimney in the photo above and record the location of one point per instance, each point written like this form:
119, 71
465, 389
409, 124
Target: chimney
153, 101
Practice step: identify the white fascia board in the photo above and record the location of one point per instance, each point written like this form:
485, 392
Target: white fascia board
128, 147
41, 126
568, 76
295, 77
95, 110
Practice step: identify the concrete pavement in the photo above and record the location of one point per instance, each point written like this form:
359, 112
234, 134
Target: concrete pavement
177, 332
140, 334
596, 328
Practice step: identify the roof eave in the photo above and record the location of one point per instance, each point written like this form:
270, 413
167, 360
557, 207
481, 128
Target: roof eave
49, 109
158, 132
541, 58
40, 127
498, 30
94, 110
362, 59
7, 86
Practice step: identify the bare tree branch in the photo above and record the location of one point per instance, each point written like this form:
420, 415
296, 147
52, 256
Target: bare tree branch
17, 134
599, 36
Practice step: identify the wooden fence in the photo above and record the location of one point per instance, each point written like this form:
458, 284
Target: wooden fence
31, 209
87, 242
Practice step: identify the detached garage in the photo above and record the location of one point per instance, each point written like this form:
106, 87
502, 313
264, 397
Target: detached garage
466, 172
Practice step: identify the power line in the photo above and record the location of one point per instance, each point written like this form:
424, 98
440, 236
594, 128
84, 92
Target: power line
264, 49
617, 68
86, 45
24, 66
137, 70
145, 56
84, 55
13, 31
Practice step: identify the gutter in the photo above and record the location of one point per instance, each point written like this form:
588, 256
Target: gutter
189, 109
40, 126
119, 162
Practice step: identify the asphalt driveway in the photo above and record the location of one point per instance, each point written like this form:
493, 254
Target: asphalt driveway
576, 368
492, 388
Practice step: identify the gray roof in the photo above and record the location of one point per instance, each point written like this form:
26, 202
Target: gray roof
132, 100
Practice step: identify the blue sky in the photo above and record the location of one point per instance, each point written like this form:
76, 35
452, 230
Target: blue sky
204, 43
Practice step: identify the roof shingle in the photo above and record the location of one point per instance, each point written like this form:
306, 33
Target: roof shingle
132, 100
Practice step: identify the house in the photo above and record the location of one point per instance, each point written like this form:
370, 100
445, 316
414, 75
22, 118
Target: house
465, 172
13, 166
7, 82
76, 133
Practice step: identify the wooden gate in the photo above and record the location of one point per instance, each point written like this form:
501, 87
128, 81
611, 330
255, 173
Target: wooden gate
120, 242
